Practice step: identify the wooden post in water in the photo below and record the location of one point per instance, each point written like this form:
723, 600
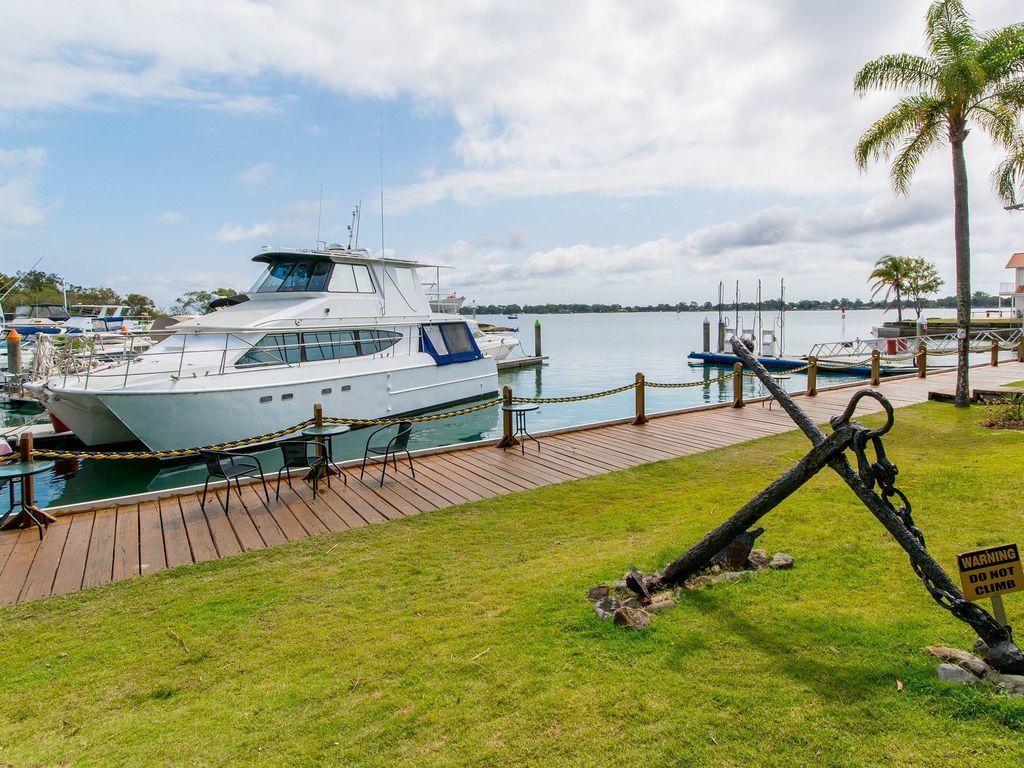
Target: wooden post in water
13, 352
536, 338
995, 352
812, 376
922, 361
641, 402
737, 385
507, 439
876, 368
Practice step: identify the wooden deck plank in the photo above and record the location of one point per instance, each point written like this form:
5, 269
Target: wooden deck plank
175, 539
39, 582
126, 542
114, 543
221, 531
151, 539
16, 569
71, 567
99, 564
200, 541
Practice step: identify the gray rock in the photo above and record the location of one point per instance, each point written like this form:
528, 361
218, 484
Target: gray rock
606, 607
980, 647
962, 659
781, 562
619, 587
758, 559
728, 577
633, 602
661, 604
635, 618
951, 673
1012, 684
597, 593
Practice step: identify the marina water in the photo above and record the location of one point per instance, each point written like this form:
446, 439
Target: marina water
587, 353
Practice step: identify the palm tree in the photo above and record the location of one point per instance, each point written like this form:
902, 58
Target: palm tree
968, 79
891, 275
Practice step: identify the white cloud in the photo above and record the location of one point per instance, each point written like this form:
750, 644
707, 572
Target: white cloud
171, 217
231, 233
20, 205
257, 175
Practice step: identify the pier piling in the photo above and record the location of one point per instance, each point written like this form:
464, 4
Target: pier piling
737, 385
707, 336
13, 352
536, 338
641, 402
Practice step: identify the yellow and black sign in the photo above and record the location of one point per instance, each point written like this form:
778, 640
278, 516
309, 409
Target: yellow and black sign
986, 573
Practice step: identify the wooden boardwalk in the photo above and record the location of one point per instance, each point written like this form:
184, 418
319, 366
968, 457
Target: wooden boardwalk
85, 549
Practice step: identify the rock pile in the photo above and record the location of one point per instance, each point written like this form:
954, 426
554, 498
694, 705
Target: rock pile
626, 608
967, 669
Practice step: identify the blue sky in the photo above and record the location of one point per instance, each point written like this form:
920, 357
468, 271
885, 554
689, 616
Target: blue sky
584, 152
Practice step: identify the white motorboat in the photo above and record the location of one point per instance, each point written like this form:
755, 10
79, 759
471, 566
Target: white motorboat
335, 326
494, 343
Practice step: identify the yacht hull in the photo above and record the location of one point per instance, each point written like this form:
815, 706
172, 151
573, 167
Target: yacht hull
192, 416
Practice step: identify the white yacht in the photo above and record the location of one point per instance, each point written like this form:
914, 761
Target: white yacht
336, 326
492, 342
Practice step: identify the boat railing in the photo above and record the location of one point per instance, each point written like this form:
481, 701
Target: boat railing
223, 358
934, 343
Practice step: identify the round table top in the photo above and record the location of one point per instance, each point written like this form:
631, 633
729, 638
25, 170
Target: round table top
520, 407
327, 430
24, 468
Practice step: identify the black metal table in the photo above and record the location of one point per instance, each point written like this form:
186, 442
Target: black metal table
519, 410
323, 436
28, 513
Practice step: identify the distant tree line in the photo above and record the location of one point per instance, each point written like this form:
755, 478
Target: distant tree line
38, 287
980, 300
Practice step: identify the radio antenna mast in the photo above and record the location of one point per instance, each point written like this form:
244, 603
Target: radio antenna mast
320, 214
383, 268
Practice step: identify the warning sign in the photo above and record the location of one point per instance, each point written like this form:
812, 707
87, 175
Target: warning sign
986, 573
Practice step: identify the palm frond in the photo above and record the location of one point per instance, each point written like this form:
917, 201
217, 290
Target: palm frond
1008, 177
896, 70
999, 122
1001, 52
908, 158
1010, 94
902, 123
949, 31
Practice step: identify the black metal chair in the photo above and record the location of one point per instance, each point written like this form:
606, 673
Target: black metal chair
295, 454
239, 465
397, 444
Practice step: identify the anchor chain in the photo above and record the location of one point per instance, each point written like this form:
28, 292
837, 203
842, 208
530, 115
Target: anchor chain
883, 473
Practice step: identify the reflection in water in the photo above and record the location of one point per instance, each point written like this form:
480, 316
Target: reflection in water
588, 353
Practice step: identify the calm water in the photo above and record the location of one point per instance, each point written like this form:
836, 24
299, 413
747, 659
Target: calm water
588, 353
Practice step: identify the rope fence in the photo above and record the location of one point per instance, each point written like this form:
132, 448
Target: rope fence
812, 368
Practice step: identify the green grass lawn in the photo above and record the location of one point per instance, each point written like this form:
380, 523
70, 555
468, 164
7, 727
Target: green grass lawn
463, 637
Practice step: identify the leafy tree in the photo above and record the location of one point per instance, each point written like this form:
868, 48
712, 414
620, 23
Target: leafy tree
968, 79
922, 280
139, 305
891, 278
79, 295
198, 302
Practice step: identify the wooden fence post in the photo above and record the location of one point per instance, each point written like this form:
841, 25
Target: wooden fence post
995, 352
737, 385
876, 368
922, 361
507, 439
1020, 350
641, 402
812, 376
318, 415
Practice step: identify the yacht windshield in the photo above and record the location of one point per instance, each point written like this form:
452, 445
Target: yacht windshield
288, 276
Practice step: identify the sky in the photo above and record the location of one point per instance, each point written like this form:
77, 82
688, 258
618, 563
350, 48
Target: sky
580, 151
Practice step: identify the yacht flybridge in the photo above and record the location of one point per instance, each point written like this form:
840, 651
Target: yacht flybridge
335, 326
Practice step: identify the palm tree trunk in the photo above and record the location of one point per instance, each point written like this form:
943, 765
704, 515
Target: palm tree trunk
962, 238
899, 306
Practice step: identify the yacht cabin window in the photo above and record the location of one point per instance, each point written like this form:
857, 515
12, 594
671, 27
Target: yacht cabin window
315, 346
406, 278
351, 278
